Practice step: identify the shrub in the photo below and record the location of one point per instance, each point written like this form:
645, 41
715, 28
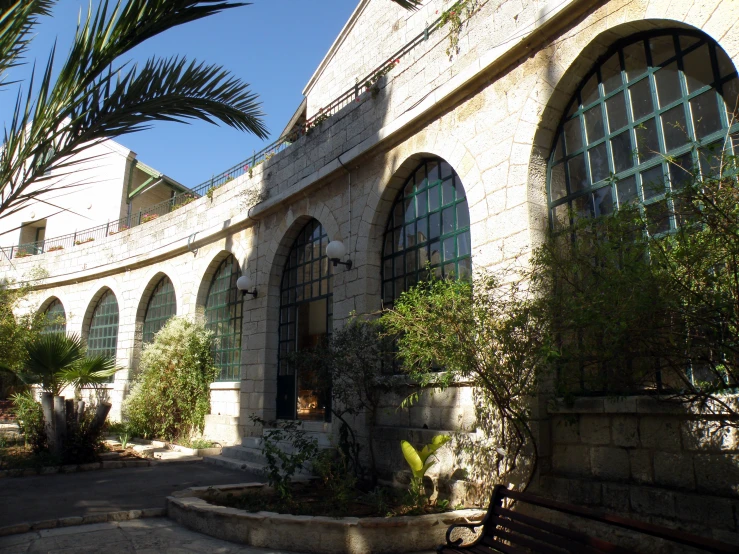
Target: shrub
170, 396
30, 418
83, 440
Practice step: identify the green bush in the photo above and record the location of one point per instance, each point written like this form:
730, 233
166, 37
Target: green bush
30, 418
83, 440
170, 396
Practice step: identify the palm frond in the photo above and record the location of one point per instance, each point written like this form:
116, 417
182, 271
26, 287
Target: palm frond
408, 4
92, 99
89, 371
49, 357
17, 19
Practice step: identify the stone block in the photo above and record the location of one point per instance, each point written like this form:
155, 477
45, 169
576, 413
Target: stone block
616, 497
595, 429
674, 470
565, 430
710, 511
717, 473
610, 463
661, 433
625, 431
652, 501
585, 493
640, 465
571, 460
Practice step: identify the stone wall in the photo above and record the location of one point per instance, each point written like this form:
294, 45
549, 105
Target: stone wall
651, 459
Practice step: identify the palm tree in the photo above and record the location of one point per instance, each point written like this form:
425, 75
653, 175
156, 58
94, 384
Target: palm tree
96, 97
56, 361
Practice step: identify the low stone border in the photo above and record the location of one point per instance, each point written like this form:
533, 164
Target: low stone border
81, 520
348, 535
74, 468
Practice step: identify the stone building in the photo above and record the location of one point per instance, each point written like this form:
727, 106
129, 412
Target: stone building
460, 149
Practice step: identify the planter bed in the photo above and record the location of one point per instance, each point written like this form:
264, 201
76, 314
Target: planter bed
350, 535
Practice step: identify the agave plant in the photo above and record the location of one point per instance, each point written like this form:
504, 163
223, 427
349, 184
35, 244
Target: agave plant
419, 461
56, 361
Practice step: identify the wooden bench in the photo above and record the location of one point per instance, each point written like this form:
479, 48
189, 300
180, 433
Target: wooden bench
512, 532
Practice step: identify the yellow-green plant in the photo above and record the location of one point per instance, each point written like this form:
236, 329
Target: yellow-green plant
419, 463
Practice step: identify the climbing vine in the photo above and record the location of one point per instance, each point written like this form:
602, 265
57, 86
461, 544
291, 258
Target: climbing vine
455, 16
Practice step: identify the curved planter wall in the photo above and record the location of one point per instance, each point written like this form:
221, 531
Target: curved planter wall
350, 535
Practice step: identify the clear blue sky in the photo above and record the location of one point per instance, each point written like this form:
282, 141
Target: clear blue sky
274, 45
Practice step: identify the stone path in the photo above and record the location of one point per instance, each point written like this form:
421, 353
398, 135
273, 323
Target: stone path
140, 536
45, 497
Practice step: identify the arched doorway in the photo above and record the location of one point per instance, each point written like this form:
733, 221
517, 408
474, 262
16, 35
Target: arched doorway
306, 308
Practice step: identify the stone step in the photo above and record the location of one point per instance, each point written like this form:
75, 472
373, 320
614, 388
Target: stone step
244, 453
234, 463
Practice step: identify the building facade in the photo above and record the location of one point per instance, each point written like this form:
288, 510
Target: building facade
456, 149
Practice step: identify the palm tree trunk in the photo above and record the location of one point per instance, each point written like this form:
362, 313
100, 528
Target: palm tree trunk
60, 424
47, 405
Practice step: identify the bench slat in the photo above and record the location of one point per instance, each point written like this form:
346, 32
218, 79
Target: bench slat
519, 540
574, 545
660, 531
582, 538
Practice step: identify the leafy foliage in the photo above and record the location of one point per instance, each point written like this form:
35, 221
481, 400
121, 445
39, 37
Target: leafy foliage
419, 463
170, 396
30, 418
484, 334
15, 333
282, 465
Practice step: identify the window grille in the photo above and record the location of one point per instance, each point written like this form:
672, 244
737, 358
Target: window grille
162, 305
55, 318
223, 317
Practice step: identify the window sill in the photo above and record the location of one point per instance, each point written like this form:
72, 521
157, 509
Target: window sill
225, 385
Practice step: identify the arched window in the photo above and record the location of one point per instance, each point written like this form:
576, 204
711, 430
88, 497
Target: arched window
654, 110
429, 224
56, 319
306, 309
102, 338
162, 305
223, 317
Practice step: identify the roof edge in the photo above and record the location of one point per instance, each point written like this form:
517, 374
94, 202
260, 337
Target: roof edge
348, 26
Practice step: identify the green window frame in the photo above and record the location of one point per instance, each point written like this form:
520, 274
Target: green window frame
223, 316
56, 318
429, 224
653, 109
162, 305
102, 336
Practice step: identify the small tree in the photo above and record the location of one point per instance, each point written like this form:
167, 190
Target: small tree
171, 392
483, 333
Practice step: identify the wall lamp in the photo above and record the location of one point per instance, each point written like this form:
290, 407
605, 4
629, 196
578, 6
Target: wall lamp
244, 283
335, 251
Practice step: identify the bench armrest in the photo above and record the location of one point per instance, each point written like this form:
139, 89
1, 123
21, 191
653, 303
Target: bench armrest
458, 542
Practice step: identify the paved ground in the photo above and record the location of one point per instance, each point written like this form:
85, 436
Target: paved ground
139, 536
27, 499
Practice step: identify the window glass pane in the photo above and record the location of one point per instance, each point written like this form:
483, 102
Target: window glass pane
646, 140
56, 319
434, 225
658, 217
668, 84
594, 124
463, 215
573, 135
616, 107
711, 158
603, 201
731, 99
698, 68
674, 127
560, 217
622, 152
589, 92
583, 206
681, 171
463, 244
161, 308
578, 176
635, 60
652, 182
687, 41
706, 118
447, 192
598, 162
641, 99
610, 73
557, 185
725, 65
626, 190
662, 48
434, 197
